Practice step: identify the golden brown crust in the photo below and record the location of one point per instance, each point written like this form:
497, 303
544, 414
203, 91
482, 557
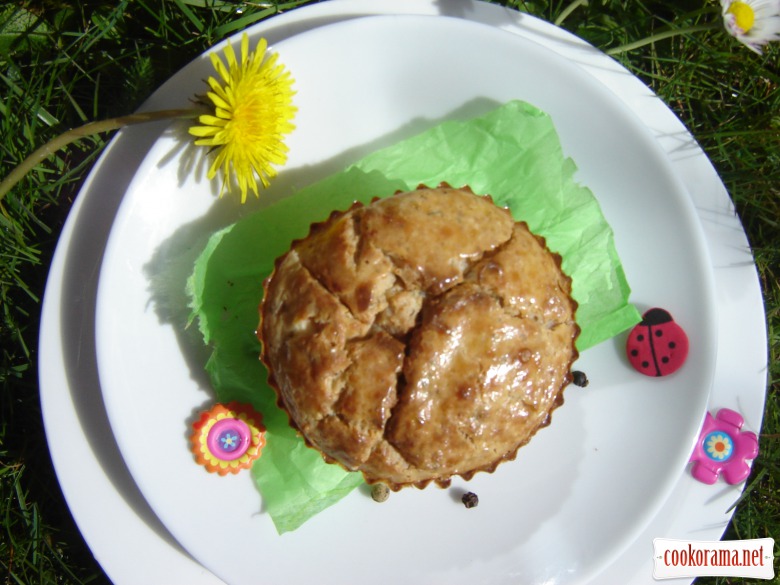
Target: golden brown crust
424, 336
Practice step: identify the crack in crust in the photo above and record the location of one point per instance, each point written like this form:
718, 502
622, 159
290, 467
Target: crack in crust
423, 336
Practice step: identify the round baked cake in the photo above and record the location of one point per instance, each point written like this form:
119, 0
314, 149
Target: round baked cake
420, 337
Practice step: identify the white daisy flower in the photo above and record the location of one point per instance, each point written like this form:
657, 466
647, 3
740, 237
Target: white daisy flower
752, 22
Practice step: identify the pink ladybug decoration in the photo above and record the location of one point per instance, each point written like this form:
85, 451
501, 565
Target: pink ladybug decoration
723, 449
657, 346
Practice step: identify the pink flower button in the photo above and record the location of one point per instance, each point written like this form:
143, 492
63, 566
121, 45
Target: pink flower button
724, 449
228, 438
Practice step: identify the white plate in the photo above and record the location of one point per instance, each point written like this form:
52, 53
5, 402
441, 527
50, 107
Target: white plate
134, 546
581, 491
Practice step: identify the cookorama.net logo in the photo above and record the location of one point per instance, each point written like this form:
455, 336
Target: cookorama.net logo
732, 558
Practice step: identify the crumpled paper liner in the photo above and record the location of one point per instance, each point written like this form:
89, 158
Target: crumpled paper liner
512, 153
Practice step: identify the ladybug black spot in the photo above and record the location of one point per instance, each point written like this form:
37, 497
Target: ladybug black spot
634, 352
645, 364
665, 360
640, 337
672, 345
659, 333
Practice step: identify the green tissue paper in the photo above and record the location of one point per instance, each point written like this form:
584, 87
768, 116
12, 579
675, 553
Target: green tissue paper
512, 153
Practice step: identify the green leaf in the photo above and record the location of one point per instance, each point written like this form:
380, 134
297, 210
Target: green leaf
20, 29
515, 144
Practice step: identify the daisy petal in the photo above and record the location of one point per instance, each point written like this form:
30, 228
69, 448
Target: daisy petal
754, 23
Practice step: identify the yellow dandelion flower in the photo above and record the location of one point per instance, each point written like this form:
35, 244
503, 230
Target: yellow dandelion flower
253, 112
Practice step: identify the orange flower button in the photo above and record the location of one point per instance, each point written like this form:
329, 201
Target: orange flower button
228, 438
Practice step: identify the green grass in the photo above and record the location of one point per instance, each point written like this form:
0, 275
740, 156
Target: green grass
66, 62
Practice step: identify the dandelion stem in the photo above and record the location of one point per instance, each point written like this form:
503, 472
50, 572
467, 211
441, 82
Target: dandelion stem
568, 10
661, 36
89, 129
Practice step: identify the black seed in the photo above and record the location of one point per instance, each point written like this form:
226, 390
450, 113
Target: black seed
579, 378
470, 500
